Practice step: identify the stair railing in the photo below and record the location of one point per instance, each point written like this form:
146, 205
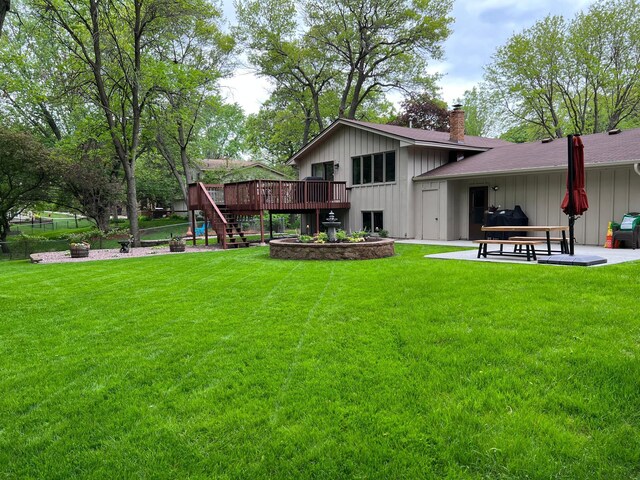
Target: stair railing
212, 212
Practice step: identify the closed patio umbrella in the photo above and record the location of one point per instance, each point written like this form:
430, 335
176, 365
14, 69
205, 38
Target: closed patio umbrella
575, 201
575, 180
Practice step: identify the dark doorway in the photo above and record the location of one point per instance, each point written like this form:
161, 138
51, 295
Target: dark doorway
478, 204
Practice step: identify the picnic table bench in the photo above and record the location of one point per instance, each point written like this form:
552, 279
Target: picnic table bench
546, 229
529, 244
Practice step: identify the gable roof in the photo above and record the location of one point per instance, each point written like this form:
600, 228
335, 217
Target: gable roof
599, 149
408, 136
229, 164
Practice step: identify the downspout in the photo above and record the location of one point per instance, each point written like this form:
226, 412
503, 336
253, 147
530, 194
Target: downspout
636, 168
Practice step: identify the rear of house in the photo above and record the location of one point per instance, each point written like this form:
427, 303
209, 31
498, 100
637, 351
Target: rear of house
438, 186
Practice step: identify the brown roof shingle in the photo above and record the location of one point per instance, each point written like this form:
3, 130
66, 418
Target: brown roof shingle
420, 135
599, 148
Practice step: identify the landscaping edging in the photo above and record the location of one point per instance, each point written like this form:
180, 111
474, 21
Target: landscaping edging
290, 249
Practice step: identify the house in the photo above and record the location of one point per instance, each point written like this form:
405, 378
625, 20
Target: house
436, 186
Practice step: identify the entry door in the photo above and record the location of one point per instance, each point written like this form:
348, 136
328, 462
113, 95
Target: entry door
430, 213
478, 204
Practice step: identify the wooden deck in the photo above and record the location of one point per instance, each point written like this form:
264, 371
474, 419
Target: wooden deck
277, 196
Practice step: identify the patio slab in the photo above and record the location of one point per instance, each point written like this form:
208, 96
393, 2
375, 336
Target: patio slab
612, 255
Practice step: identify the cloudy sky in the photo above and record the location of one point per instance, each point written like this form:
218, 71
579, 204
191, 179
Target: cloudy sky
480, 27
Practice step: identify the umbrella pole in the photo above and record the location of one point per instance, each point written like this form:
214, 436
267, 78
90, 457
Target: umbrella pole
571, 206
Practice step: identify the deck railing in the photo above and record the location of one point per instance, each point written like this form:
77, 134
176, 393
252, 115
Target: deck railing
274, 195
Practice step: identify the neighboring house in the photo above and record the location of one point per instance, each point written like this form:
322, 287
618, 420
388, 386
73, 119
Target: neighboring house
227, 171
436, 186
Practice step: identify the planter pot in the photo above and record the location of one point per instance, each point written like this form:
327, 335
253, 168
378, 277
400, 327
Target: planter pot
177, 248
79, 252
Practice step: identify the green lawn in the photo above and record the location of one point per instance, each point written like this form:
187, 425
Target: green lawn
233, 365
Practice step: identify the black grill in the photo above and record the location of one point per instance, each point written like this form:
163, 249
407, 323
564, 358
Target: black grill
500, 218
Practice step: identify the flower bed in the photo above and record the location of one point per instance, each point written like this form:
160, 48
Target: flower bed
291, 249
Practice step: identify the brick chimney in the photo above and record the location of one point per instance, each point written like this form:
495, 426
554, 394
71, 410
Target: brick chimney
456, 121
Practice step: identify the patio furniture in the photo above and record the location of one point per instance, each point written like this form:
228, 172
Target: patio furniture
628, 230
200, 230
546, 229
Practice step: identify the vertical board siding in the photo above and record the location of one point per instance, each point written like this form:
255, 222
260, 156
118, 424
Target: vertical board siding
612, 192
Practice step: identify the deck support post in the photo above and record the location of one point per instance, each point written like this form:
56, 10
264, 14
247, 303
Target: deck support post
270, 226
262, 227
317, 220
193, 226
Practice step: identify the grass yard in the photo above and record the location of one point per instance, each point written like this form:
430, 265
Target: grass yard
233, 365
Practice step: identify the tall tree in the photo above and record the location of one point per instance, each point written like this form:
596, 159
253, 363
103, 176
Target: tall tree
26, 171
116, 48
198, 55
525, 74
379, 44
291, 60
581, 75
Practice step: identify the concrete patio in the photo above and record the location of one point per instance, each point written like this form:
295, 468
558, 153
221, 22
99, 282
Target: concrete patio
613, 256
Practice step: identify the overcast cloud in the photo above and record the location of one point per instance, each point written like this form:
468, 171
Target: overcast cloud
480, 27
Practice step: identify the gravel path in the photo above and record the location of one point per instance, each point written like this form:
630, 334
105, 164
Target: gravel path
111, 254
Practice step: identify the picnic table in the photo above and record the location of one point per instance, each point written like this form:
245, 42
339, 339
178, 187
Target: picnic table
528, 241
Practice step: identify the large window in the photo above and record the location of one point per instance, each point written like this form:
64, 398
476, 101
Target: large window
372, 221
376, 168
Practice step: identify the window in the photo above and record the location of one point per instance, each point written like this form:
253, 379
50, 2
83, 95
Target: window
366, 169
376, 168
372, 221
322, 170
390, 167
357, 171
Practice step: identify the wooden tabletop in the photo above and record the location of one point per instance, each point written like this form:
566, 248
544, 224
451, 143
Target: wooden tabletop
525, 228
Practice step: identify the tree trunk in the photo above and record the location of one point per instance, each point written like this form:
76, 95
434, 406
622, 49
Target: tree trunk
5, 5
132, 205
4, 231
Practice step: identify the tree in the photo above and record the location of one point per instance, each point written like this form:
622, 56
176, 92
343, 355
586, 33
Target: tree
199, 55
299, 69
26, 171
581, 76
524, 75
423, 111
223, 130
5, 5
379, 45
90, 175
116, 47
35, 85
341, 60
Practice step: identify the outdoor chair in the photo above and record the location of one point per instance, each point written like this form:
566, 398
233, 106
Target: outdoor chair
200, 230
628, 230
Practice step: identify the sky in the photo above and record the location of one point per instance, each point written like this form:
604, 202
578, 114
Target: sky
480, 27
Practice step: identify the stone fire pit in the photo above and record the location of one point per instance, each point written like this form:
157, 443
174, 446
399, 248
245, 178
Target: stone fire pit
291, 249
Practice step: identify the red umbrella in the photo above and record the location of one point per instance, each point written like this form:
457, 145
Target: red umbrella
575, 182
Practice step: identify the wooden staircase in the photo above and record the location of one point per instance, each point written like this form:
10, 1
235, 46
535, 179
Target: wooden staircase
226, 225
235, 236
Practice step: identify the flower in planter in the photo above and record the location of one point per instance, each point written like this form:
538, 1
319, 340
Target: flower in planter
177, 244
